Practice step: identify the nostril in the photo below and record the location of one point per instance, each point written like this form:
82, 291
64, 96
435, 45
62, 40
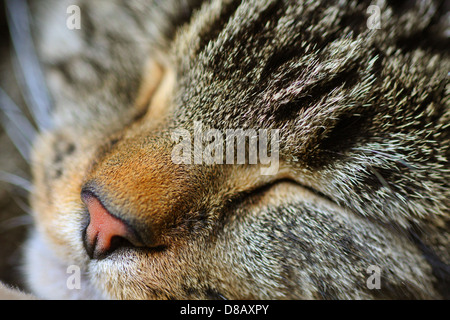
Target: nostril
118, 242
105, 232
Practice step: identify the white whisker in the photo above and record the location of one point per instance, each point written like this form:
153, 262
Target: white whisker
379, 177
16, 125
22, 204
31, 76
16, 181
15, 222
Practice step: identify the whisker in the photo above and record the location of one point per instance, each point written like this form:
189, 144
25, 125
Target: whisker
15, 222
31, 76
22, 204
389, 157
16, 181
17, 126
379, 177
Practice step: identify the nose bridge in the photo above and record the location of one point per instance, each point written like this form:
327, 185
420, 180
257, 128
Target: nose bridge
139, 182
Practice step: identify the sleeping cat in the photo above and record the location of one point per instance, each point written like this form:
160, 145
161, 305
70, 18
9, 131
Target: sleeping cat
357, 208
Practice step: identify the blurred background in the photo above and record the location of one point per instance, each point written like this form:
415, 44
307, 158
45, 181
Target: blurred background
14, 207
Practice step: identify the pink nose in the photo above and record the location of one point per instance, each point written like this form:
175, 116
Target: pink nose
104, 229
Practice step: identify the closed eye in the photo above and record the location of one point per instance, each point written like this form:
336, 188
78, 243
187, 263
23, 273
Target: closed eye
254, 196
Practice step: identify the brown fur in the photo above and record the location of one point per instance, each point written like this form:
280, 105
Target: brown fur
363, 177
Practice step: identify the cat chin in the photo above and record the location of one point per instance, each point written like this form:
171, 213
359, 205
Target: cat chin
48, 277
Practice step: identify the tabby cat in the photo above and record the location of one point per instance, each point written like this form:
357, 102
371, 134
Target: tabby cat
358, 208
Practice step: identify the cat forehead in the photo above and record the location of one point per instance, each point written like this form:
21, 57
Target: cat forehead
251, 64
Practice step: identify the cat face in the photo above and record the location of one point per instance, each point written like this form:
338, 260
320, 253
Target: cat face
356, 139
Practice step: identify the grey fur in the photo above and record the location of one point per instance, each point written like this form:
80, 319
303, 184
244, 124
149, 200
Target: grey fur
364, 118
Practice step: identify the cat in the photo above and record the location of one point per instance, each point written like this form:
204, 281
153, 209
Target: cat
357, 208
